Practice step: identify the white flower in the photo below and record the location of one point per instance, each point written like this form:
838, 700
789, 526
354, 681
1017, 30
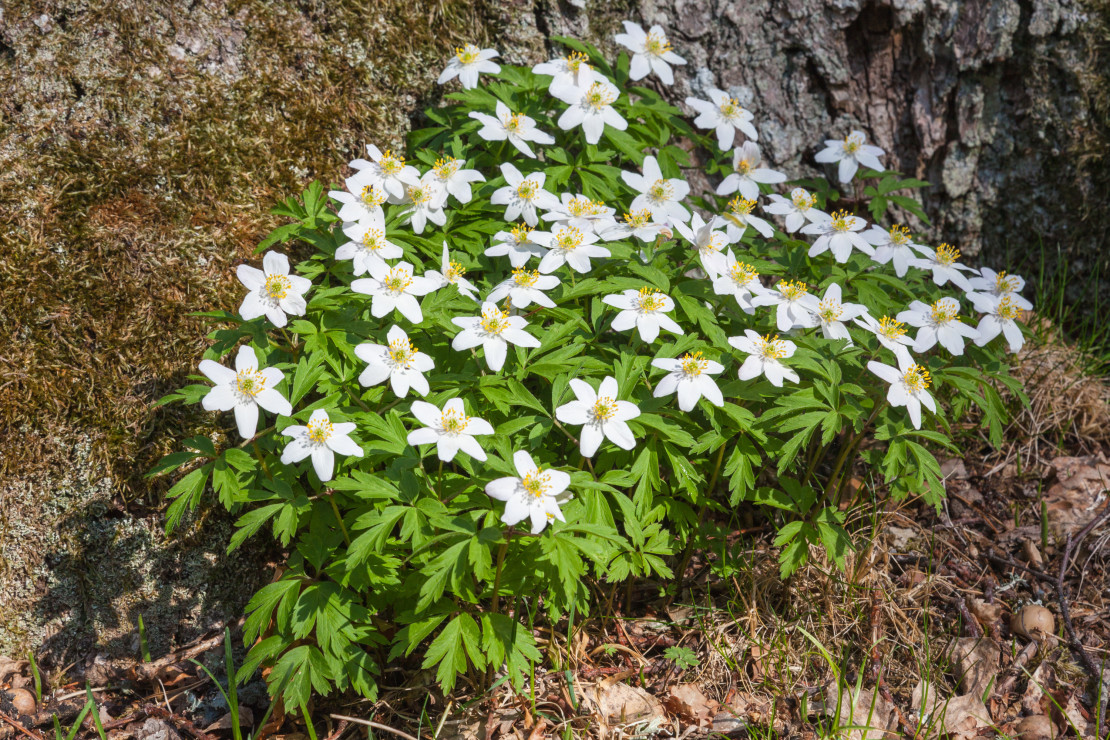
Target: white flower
591, 108
798, 209
494, 330
725, 114
998, 285
747, 174
638, 224
452, 274
368, 245
738, 279
796, 307
582, 213
517, 128
384, 171
520, 244
851, 153
661, 197
894, 245
765, 355
244, 390
321, 439
394, 288
908, 387
891, 334
366, 206
1001, 317
523, 195
838, 235
689, 375
572, 70
651, 52
938, 323
451, 429
449, 176
425, 201
535, 495
832, 313
524, 288
944, 266
399, 361
600, 415
739, 217
469, 61
570, 246
272, 291
644, 309
705, 238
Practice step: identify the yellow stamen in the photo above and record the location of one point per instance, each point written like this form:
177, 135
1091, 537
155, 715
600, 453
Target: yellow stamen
916, 379
731, 109
604, 408
527, 190
535, 483
525, 278
638, 219
419, 194
401, 352
899, 235
390, 164
468, 54
453, 272
446, 167
1004, 283
397, 279
771, 347
947, 254
521, 233
694, 364
250, 382
944, 311
599, 96
842, 221
651, 299
802, 200
372, 197
320, 431
277, 286
656, 44
494, 320
512, 122
372, 240
576, 59
830, 311
1007, 310
791, 290
453, 422
741, 206
742, 273
852, 143
568, 238
891, 328
661, 191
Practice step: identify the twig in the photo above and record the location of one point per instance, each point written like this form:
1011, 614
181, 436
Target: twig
1065, 611
343, 723
21, 728
158, 713
375, 725
1023, 657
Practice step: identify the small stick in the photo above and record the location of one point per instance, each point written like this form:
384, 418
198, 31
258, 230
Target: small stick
21, 728
1065, 611
375, 725
1023, 657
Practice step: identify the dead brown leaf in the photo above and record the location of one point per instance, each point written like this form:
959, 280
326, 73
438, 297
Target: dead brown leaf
975, 663
867, 716
964, 716
619, 703
687, 701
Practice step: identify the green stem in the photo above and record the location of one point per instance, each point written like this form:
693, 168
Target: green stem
833, 488
689, 551
339, 517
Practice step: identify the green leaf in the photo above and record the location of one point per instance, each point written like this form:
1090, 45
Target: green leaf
449, 650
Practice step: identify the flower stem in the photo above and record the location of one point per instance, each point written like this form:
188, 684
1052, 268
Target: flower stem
339, 517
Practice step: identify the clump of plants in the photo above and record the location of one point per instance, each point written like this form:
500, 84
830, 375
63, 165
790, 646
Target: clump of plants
525, 363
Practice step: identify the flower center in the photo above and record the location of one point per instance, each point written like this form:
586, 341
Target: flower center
603, 409
944, 311
320, 431
535, 483
694, 364
372, 197
742, 273
651, 299
453, 272
842, 221
453, 422
716, 243
419, 194
467, 54
580, 206
791, 290
916, 379
1007, 310
947, 254
830, 310
568, 238
525, 278
521, 233
397, 280
494, 321
402, 353
1004, 283
599, 96
250, 382
656, 45
744, 167
372, 240
575, 60
446, 167
527, 190
638, 219
389, 164
899, 236
731, 109
661, 191
852, 143
891, 328
512, 122
771, 347
277, 286
802, 200
741, 206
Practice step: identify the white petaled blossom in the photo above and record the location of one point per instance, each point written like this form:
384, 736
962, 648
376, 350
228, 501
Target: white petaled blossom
570, 71
394, 288
450, 429
272, 292
739, 217
591, 107
451, 273
939, 322
520, 244
469, 61
705, 238
894, 246
523, 195
747, 174
384, 171
795, 305
838, 235
535, 495
600, 415
639, 224
516, 128
663, 197
850, 153
399, 361
725, 115
832, 312
891, 334
909, 385
689, 377
798, 209
524, 288
998, 285
569, 246
942, 263
450, 176
1001, 318
321, 439
366, 205
738, 279
651, 52
645, 309
243, 390
494, 330
425, 202
368, 245
765, 356
582, 213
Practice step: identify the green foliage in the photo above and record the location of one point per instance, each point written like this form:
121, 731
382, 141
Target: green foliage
400, 554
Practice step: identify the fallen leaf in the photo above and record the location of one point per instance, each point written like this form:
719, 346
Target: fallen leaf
1035, 698
925, 700
687, 701
1075, 717
975, 663
620, 703
867, 716
728, 724
987, 615
963, 717
9, 668
1081, 485
246, 719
